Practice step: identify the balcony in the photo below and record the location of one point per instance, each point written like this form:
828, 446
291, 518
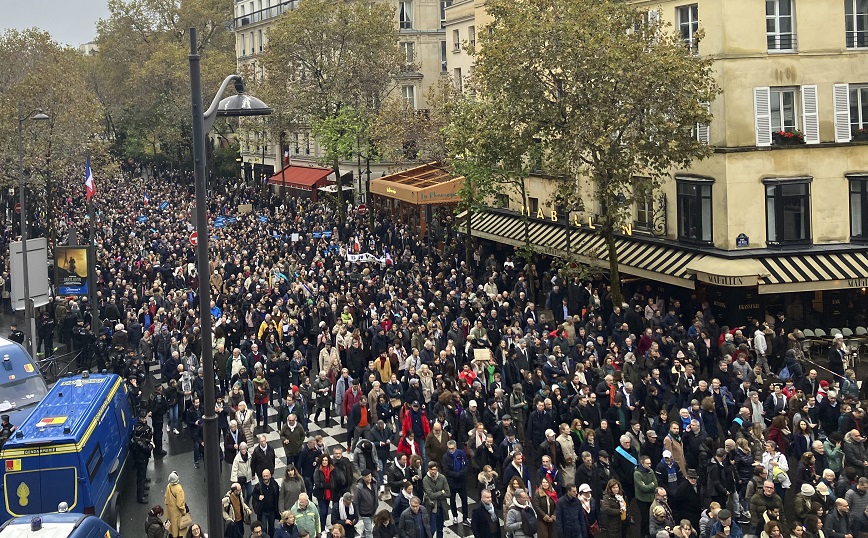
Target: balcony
265, 14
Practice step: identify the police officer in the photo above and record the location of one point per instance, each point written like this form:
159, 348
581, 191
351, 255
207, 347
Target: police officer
158, 406
83, 339
46, 334
16, 335
6, 429
134, 393
141, 450
102, 349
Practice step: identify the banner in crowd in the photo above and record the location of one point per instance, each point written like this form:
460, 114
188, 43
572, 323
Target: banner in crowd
365, 257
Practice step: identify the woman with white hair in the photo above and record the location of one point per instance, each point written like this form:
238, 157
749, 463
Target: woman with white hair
242, 472
246, 420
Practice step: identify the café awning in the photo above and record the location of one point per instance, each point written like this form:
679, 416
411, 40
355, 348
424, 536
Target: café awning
306, 178
811, 272
427, 184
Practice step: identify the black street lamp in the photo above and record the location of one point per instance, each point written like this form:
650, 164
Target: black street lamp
236, 105
29, 315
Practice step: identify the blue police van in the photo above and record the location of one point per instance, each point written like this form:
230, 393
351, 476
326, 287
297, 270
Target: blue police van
65, 525
73, 448
21, 383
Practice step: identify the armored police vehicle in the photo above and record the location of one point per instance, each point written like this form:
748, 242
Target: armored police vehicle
60, 525
73, 448
21, 383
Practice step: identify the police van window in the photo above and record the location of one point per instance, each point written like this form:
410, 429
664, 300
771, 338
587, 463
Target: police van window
94, 461
22, 393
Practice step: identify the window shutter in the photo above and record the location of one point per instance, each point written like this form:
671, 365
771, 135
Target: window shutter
841, 93
809, 115
702, 129
763, 116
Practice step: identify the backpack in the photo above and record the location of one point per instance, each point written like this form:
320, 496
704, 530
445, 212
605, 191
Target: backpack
528, 528
784, 373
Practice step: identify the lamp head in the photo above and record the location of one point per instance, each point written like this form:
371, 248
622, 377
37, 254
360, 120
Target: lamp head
40, 116
242, 104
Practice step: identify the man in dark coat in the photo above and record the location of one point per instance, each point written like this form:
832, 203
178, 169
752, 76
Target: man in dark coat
686, 500
570, 516
262, 457
537, 424
625, 461
266, 496
484, 521
414, 520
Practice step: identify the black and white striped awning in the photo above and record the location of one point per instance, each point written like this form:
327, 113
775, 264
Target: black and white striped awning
636, 256
772, 272
811, 272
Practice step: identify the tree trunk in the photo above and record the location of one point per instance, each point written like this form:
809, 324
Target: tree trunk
614, 273
468, 240
342, 208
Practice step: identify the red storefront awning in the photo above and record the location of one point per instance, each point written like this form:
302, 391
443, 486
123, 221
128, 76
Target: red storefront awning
307, 178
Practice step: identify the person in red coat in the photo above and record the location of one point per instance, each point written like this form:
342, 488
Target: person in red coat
352, 396
409, 445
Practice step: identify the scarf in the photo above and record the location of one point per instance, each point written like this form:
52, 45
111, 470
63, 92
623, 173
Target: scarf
346, 512
327, 473
586, 504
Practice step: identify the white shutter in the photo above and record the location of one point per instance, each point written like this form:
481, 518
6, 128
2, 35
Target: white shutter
762, 115
809, 115
654, 16
702, 130
841, 93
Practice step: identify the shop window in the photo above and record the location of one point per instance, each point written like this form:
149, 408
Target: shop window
694, 210
788, 212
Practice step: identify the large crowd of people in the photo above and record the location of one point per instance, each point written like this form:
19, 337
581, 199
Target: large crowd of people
563, 413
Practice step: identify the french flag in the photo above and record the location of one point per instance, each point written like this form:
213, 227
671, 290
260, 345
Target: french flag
89, 185
388, 257
147, 199
357, 247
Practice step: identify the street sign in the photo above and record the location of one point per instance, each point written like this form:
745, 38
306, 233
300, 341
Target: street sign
18, 208
362, 209
194, 238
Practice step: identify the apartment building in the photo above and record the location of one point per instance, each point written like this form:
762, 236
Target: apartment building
421, 25
777, 217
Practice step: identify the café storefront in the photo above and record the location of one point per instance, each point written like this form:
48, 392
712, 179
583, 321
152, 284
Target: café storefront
419, 197
825, 285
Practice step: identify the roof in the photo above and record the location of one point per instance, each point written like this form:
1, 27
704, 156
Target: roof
422, 185
54, 525
301, 177
67, 411
16, 362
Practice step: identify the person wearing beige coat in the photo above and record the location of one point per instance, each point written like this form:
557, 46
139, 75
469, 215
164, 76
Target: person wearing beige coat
175, 503
672, 443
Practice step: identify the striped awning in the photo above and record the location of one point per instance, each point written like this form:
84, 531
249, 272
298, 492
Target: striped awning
812, 272
636, 256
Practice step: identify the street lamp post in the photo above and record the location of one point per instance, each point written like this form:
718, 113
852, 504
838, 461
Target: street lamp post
237, 105
29, 317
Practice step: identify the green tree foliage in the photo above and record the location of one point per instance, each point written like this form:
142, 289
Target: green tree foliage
604, 91
141, 72
325, 56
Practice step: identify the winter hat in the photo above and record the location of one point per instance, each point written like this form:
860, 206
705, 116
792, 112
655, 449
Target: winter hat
173, 477
807, 490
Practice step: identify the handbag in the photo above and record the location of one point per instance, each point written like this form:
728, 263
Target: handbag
595, 528
186, 520
395, 402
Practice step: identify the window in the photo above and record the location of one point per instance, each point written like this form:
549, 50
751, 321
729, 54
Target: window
307, 143
786, 109
788, 212
644, 211
409, 95
443, 5
780, 34
409, 51
856, 15
533, 205
295, 143
688, 25
859, 207
502, 200
858, 107
94, 461
405, 14
459, 80
456, 41
444, 64
260, 40
694, 210
783, 109
243, 45
471, 35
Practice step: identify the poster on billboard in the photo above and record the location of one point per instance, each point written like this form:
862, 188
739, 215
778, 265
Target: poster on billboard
70, 270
